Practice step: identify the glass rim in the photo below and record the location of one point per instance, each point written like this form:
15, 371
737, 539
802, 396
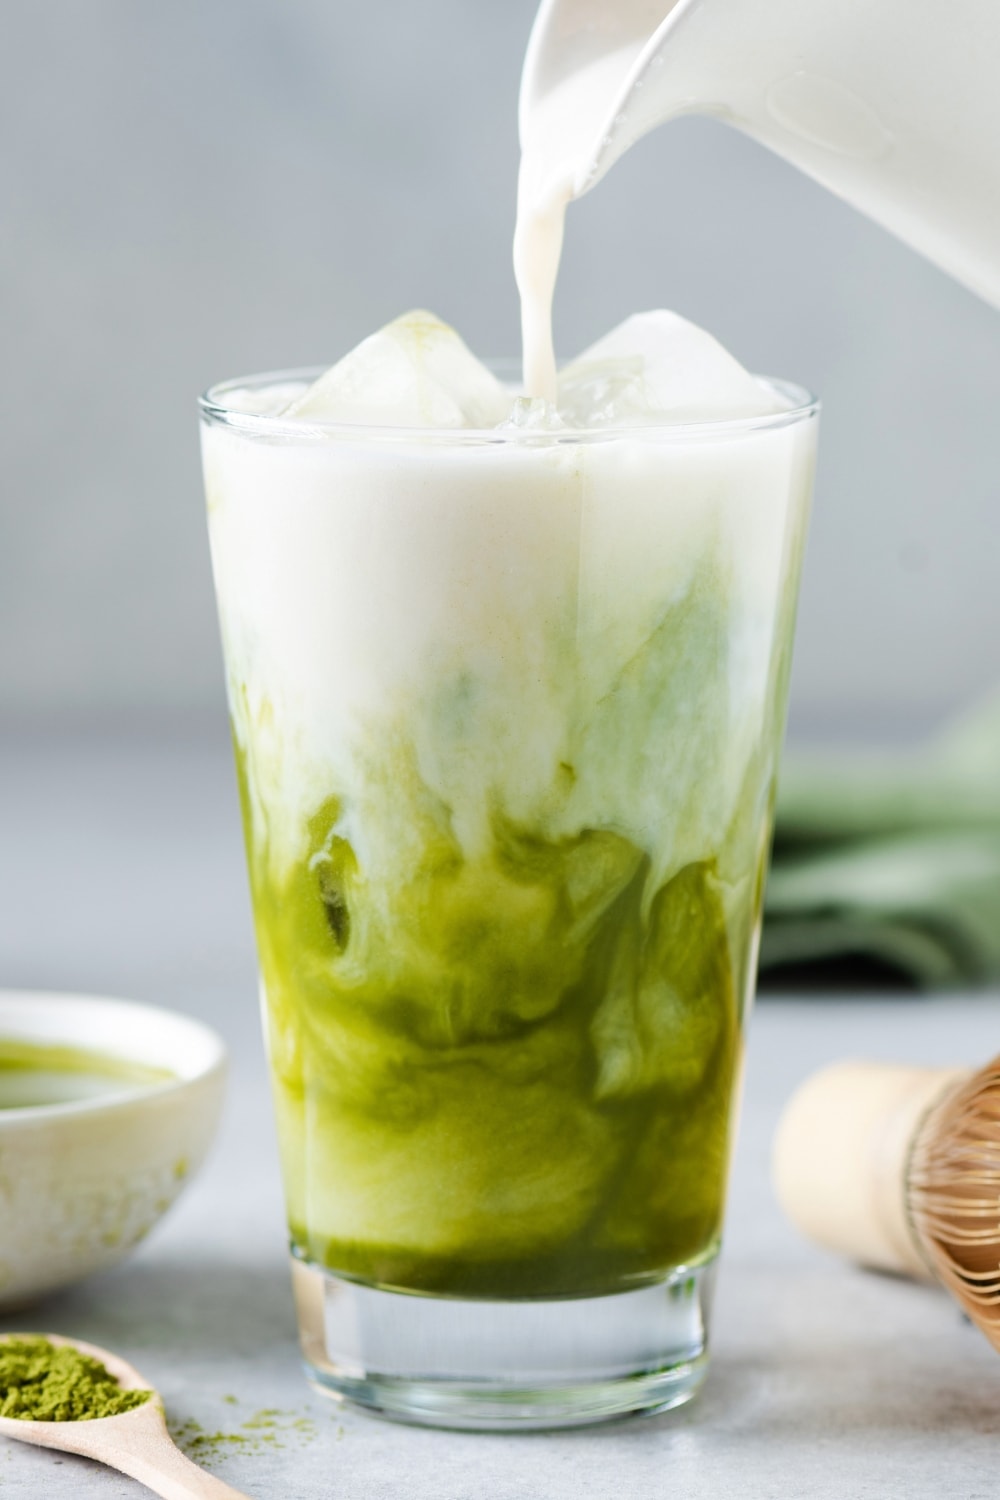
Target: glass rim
215, 412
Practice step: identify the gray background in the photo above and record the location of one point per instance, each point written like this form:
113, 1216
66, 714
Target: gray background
191, 191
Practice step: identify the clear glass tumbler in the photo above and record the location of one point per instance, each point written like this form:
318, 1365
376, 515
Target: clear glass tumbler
507, 709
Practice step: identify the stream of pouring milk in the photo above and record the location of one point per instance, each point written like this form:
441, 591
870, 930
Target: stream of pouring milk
558, 141
893, 107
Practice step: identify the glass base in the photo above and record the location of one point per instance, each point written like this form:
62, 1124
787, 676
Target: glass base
503, 1366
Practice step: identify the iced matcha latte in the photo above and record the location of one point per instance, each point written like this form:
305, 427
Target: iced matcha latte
507, 685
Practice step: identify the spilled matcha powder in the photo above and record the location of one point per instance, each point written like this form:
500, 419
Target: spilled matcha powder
45, 1382
259, 1433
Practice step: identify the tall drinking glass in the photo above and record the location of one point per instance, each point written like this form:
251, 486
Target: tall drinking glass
507, 709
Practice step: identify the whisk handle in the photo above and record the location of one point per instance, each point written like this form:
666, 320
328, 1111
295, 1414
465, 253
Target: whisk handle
841, 1154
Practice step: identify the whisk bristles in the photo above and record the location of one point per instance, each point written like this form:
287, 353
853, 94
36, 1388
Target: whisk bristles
953, 1195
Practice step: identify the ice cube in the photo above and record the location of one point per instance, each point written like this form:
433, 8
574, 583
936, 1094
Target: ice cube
415, 372
656, 367
532, 414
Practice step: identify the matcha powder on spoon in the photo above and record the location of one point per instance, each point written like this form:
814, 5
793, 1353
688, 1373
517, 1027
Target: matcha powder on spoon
45, 1382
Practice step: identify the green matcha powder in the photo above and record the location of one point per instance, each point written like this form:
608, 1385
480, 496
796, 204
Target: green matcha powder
45, 1382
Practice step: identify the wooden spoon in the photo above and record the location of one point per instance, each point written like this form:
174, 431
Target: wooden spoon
135, 1442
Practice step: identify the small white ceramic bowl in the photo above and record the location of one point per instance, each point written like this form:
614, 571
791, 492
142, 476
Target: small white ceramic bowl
81, 1183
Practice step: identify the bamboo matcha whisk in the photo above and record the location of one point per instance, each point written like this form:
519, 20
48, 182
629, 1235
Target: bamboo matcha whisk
899, 1168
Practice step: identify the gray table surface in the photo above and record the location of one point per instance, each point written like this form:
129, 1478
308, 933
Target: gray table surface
121, 873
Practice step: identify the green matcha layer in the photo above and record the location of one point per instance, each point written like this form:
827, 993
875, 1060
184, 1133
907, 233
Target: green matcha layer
520, 1086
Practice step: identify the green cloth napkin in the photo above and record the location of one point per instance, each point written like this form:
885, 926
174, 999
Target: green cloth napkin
891, 859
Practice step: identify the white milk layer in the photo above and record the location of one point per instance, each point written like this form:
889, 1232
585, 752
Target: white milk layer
471, 617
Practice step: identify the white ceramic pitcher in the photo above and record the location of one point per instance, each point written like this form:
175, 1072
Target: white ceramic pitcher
892, 104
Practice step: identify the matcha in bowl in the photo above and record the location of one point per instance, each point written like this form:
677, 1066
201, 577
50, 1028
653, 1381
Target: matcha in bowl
107, 1109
